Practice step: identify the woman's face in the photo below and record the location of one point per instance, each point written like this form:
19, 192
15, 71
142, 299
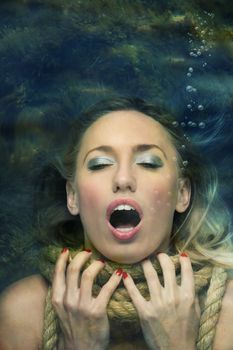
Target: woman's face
127, 186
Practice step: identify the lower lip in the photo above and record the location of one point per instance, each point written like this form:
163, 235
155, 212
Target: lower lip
124, 236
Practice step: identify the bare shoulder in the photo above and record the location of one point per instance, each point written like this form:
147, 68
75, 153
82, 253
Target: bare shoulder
224, 335
21, 314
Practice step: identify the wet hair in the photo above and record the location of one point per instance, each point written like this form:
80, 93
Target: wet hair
203, 230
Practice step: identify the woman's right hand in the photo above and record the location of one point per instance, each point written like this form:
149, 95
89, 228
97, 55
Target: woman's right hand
83, 318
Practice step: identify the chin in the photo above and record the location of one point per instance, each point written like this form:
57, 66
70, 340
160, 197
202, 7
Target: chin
130, 259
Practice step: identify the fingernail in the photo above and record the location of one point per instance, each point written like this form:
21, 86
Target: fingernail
119, 272
101, 260
124, 274
184, 254
87, 250
64, 250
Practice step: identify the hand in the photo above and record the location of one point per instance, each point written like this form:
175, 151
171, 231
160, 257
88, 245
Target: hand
83, 318
170, 319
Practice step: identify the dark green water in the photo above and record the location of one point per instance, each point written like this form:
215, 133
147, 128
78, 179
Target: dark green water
58, 57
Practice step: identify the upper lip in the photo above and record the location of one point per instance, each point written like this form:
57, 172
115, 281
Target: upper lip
119, 201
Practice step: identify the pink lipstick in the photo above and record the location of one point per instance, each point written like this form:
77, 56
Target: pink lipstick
124, 231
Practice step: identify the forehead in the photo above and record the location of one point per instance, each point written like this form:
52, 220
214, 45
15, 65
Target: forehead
124, 128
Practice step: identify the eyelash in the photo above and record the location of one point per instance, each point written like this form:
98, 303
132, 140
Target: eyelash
148, 165
98, 166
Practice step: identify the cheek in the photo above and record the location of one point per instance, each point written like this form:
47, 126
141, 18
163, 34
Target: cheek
89, 196
164, 195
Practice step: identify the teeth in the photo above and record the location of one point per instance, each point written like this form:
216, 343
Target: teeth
125, 229
124, 207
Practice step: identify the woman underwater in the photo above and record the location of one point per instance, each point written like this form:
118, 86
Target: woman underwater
139, 259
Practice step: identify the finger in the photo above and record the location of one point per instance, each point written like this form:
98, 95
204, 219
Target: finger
151, 278
74, 270
87, 280
134, 293
60, 270
169, 273
58, 284
187, 277
109, 288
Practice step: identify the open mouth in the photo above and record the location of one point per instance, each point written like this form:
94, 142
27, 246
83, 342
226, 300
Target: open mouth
124, 218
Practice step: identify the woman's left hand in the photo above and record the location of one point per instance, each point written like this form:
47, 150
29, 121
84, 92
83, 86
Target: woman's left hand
170, 319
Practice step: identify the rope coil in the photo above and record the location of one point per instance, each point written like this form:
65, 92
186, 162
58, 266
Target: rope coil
121, 310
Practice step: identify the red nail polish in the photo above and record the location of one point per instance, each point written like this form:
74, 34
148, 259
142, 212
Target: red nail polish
64, 250
124, 274
184, 255
87, 250
119, 272
101, 260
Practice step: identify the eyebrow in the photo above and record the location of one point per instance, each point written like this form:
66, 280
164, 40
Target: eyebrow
136, 149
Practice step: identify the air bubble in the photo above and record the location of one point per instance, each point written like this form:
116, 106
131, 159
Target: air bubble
185, 163
182, 124
190, 69
189, 88
199, 53
183, 146
153, 209
189, 106
175, 123
190, 123
194, 125
201, 125
200, 107
192, 54
204, 64
189, 75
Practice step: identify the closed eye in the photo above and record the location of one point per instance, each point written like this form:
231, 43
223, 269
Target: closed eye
99, 163
98, 166
152, 162
150, 165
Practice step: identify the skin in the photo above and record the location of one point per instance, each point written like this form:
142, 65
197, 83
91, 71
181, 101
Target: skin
170, 319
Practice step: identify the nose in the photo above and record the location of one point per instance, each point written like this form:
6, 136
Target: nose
124, 180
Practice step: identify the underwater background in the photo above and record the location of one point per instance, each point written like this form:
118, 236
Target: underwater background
58, 57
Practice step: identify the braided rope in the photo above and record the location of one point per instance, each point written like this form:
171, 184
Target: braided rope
121, 309
50, 328
212, 307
